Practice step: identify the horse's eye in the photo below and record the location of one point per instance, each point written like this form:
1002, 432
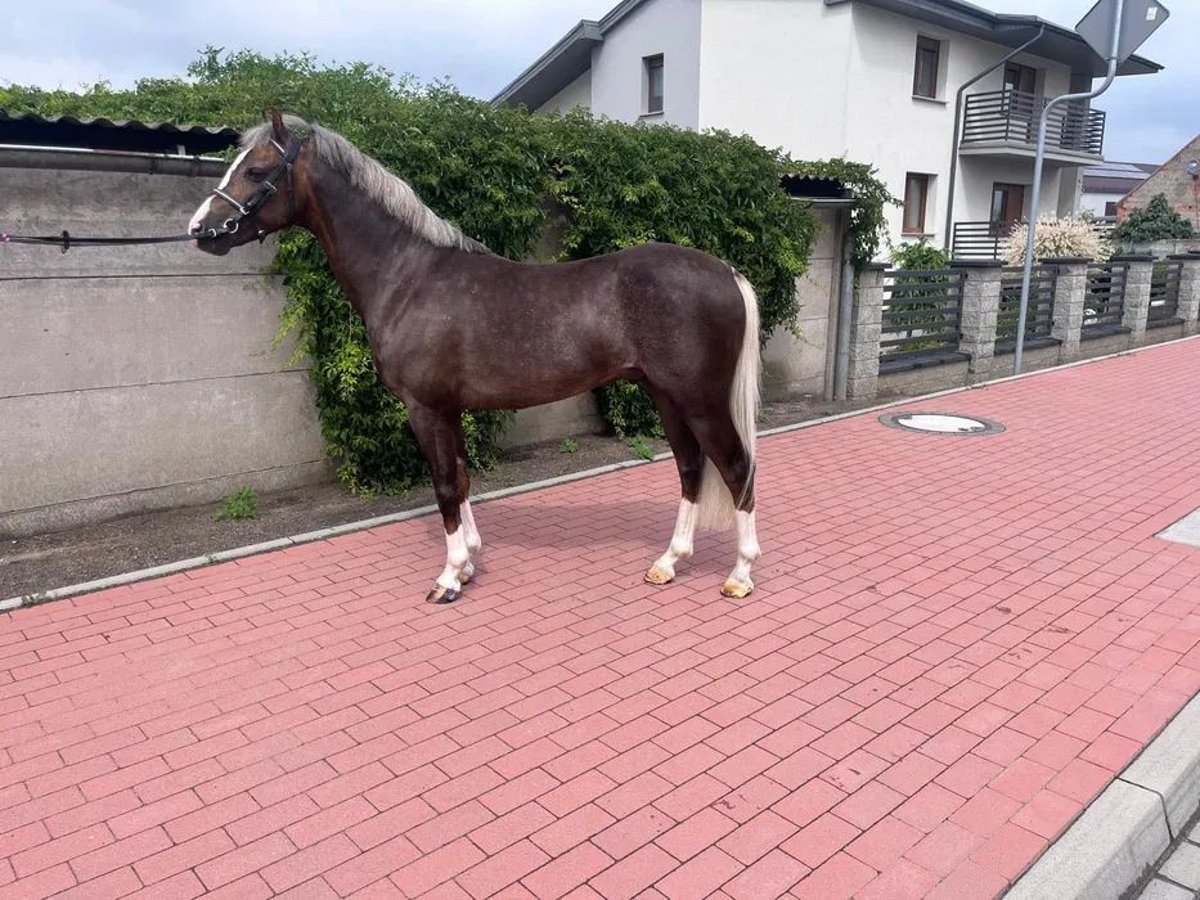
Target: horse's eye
254, 173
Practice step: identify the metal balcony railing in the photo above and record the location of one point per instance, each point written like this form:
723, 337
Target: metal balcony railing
1008, 117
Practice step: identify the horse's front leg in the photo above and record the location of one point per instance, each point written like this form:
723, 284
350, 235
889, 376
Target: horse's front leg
439, 434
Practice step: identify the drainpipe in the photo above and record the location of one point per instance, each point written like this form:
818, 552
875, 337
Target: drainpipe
841, 359
958, 111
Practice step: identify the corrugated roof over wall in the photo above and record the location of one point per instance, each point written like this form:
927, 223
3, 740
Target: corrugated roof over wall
128, 135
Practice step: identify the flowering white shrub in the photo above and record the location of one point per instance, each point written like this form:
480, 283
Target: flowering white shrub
1072, 236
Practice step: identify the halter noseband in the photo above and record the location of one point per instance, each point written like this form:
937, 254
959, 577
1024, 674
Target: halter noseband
266, 190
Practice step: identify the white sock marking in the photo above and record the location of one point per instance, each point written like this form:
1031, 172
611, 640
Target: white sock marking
474, 541
748, 549
681, 541
457, 558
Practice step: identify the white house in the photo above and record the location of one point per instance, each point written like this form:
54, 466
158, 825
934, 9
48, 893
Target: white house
940, 96
1105, 185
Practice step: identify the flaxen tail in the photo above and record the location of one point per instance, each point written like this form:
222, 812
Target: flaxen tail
715, 507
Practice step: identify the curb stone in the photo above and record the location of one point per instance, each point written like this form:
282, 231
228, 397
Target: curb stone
197, 562
1124, 832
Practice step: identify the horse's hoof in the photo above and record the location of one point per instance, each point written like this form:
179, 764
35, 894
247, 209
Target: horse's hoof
736, 590
442, 595
658, 576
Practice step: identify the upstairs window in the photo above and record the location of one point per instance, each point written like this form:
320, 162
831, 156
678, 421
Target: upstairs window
654, 84
926, 71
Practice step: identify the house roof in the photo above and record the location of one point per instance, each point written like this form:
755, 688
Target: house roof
1115, 177
128, 135
1120, 186
572, 55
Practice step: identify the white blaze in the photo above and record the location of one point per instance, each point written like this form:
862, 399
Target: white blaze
206, 206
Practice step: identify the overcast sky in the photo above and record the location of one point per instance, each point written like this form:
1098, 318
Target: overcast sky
481, 45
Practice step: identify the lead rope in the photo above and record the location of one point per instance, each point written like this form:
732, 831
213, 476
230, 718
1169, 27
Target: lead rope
66, 241
266, 190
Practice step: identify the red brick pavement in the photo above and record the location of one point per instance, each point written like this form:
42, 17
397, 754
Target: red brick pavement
955, 644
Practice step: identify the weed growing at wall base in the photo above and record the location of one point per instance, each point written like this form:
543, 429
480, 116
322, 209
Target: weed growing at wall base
241, 504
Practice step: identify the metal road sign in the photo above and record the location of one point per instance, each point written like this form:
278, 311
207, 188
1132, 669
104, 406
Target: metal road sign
1140, 19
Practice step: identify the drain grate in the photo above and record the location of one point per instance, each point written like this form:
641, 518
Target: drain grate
1185, 531
940, 423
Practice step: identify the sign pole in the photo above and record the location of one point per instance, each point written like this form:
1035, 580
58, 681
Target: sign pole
1039, 161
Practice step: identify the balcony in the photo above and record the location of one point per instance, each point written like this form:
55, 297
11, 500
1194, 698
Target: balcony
986, 240
978, 240
1005, 124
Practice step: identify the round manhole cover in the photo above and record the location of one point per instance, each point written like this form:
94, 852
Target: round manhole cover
941, 423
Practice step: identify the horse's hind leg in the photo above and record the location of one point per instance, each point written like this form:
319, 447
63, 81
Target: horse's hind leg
690, 461
723, 446
440, 435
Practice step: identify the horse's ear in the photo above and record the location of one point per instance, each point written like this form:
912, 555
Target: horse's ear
277, 126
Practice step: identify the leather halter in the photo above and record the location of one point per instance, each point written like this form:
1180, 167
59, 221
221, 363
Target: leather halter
266, 190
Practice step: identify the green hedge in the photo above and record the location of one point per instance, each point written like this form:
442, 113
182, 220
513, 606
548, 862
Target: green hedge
495, 173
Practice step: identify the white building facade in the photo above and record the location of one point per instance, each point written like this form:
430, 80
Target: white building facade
873, 81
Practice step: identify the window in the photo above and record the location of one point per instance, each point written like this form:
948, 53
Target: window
1020, 78
925, 72
1110, 209
916, 199
654, 84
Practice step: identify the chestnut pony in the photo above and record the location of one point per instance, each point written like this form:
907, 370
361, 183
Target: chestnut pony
452, 326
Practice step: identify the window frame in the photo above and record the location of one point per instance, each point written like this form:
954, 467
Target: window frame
925, 180
650, 65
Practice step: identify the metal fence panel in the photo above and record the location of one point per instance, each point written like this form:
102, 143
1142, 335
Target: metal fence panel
921, 312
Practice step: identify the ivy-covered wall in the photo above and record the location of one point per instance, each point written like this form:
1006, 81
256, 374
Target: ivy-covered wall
495, 173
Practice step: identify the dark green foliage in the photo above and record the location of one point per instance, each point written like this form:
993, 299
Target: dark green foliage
1157, 222
919, 255
867, 223
628, 409
916, 303
495, 173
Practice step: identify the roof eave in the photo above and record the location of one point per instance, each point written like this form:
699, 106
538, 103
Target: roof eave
1009, 30
543, 79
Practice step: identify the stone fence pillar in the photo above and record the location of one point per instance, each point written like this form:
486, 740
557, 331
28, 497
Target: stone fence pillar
1189, 291
1070, 294
980, 307
865, 331
1138, 273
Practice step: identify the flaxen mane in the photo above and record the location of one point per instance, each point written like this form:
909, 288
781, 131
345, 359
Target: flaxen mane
391, 192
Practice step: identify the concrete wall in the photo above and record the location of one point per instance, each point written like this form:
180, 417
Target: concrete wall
1163, 249
798, 365
143, 377
669, 27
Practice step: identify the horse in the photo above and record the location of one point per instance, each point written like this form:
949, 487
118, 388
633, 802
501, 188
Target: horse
453, 326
